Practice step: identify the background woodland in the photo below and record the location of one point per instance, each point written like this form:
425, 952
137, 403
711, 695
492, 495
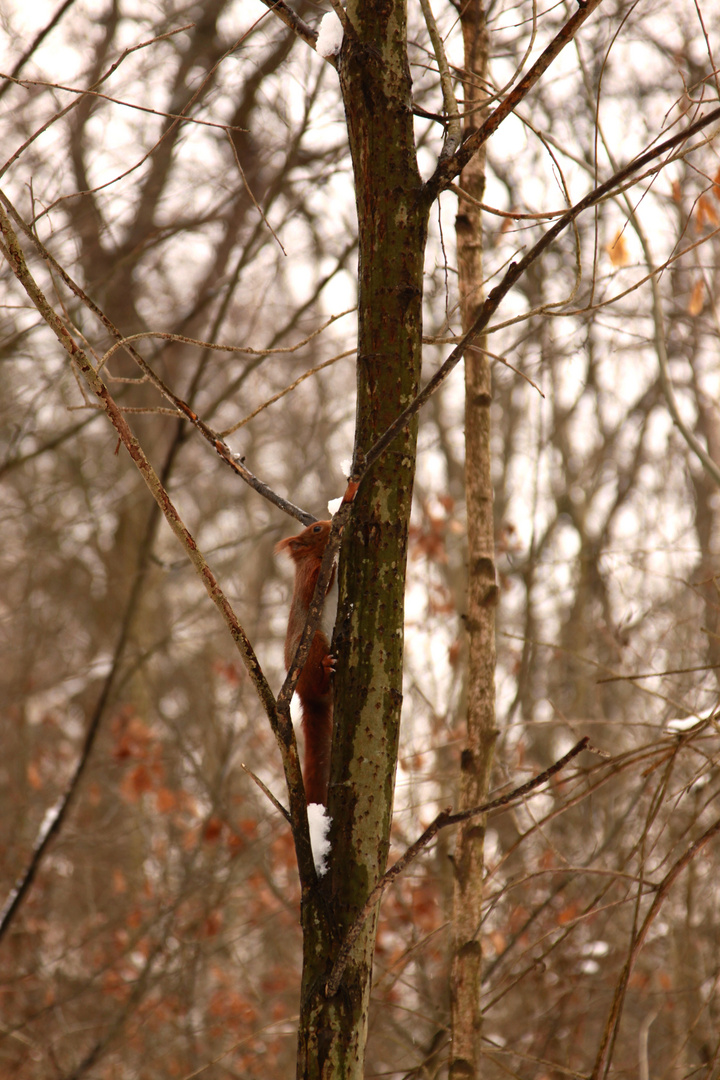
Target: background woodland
203, 191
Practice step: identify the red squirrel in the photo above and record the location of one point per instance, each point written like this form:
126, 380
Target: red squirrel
313, 686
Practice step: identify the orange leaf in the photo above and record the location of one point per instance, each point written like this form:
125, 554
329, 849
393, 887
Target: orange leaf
705, 212
547, 859
190, 839
231, 672
568, 913
676, 191
114, 984
136, 783
33, 776
212, 924
134, 738
618, 251
498, 942
697, 298
212, 830
248, 827
118, 881
235, 843
165, 800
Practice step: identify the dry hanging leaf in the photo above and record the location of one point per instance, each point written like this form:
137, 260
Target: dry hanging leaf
697, 298
33, 776
165, 800
676, 191
136, 783
705, 213
618, 251
119, 883
212, 830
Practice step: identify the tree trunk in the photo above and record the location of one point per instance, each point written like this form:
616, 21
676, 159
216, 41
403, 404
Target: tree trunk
392, 221
476, 761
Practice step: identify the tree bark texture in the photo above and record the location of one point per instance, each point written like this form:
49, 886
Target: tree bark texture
392, 223
477, 754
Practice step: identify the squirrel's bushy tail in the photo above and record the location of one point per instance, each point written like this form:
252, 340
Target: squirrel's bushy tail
317, 728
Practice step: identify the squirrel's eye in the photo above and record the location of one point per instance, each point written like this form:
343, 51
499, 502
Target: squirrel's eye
317, 528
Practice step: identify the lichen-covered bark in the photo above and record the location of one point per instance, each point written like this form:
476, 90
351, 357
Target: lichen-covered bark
392, 222
476, 761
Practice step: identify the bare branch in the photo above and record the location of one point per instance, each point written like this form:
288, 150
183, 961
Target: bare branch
441, 822
235, 461
73, 104
267, 792
453, 131
448, 169
126, 104
34, 44
293, 21
280, 720
602, 1063
514, 272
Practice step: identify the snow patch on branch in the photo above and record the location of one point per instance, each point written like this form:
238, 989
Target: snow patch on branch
51, 816
330, 35
319, 821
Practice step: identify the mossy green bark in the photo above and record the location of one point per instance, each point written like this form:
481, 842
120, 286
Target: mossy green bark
392, 223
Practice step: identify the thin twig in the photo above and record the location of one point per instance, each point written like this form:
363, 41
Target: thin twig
266, 791
512, 215
181, 117
657, 674
502, 360
183, 339
127, 410
14, 256
711, 467
56, 815
442, 821
254, 201
288, 389
25, 83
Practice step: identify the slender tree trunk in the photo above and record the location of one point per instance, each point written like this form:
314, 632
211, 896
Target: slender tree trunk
465, 979
392, 221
